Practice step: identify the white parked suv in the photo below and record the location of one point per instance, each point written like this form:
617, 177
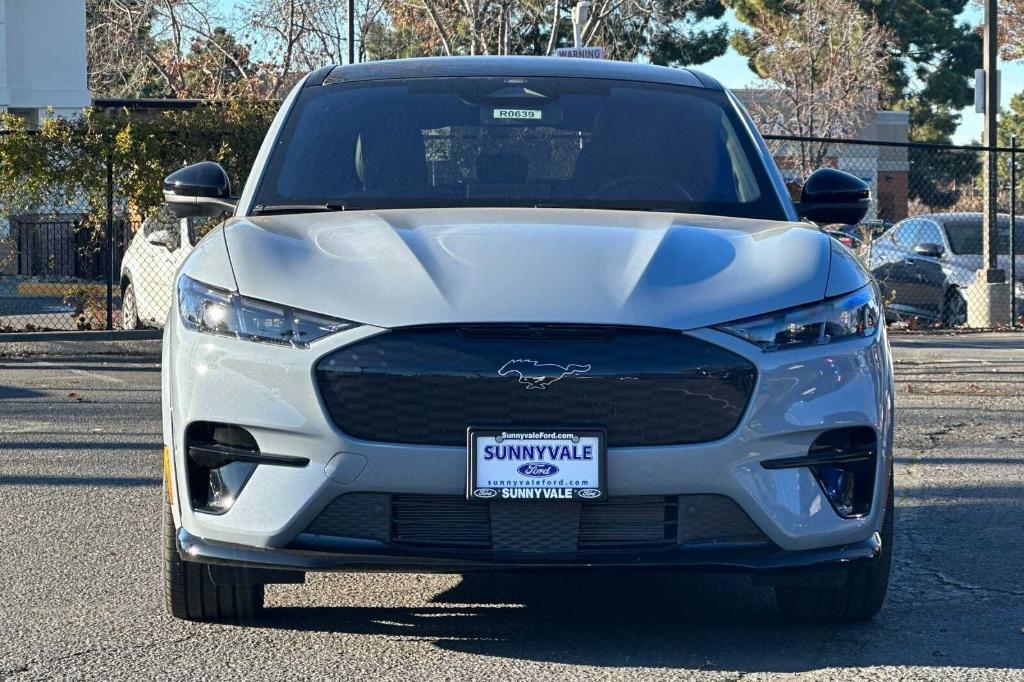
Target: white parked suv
149, 264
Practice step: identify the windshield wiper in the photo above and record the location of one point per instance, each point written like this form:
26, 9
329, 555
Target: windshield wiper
268, 209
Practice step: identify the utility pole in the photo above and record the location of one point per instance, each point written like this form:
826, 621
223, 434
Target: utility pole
351, 31
580, 14
989, 301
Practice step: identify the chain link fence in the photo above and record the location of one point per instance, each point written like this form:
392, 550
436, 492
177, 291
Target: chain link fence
72, 262
83, 259
84, 243
923, 236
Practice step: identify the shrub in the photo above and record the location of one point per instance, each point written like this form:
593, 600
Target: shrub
62, 167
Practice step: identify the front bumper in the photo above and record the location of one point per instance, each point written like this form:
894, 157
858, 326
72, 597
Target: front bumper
369, 556
271, 392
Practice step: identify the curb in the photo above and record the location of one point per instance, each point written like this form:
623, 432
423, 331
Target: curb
145, 345
80, 337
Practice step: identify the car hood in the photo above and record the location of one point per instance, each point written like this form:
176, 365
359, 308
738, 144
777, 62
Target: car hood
433, 266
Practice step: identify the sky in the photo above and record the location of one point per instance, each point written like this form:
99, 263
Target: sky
731, 69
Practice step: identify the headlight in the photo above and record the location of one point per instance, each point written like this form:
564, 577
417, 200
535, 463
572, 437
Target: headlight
216, 311
852, 315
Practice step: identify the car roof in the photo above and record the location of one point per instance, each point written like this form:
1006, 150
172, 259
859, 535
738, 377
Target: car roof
971, 217
945, 218
558, 67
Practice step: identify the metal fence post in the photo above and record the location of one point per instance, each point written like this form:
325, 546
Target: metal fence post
110, 234
1013, 230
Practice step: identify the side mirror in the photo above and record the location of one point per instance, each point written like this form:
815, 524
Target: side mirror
161, 238
832, 196
930, 250
202, 189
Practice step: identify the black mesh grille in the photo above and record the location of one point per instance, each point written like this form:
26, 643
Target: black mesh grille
714, 518
630, 522
355, 515
449, 521
440, 520
427, 385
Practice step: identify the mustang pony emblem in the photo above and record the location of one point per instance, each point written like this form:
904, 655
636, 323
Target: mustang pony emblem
537, 375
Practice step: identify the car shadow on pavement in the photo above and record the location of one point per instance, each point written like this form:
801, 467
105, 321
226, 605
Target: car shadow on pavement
656, 620
18, 393
944, 609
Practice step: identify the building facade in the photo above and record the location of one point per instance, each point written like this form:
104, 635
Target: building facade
42, 58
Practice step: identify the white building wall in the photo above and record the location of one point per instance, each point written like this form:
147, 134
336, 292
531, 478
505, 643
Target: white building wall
5, 93
42, 57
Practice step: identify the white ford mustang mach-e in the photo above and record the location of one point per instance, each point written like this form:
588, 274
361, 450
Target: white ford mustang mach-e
489, 313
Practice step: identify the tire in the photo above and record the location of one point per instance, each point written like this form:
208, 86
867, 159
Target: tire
129, 309
954, 308
858, 599
190, 594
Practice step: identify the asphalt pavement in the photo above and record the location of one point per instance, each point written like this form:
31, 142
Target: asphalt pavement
80, 591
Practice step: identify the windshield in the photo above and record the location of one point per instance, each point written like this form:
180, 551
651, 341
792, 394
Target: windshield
965, 237
569, 142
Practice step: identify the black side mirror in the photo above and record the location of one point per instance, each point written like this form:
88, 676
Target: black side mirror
930, 250
202, 189
161, 238
832, 196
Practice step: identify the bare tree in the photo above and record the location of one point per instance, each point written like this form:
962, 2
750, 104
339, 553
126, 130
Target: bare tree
823, 63
259, 48
294, 37
117, 38
659, 30
1011, 28
173, 48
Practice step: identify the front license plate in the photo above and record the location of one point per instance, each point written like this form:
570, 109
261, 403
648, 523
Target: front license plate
536, 464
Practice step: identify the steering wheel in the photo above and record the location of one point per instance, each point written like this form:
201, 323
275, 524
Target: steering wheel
643, 183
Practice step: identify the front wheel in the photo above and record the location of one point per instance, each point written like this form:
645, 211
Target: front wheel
129, 309
190, 593
858, 599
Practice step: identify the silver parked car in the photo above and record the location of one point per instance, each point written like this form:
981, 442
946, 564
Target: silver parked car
498, 313
924, 264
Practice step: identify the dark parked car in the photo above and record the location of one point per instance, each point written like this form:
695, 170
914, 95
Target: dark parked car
924, 264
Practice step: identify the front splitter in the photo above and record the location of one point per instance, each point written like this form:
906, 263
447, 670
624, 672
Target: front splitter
368, 556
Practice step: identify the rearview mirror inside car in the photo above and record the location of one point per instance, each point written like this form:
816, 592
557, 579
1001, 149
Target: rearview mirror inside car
202, 189
832, 196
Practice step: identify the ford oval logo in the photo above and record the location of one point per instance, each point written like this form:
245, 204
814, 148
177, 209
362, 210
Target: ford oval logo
484, 492
537, 470
588, 493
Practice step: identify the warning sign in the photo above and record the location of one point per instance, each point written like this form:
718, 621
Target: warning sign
581, 52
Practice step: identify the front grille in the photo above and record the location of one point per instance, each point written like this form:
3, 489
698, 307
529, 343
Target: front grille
427, 385
442, 520
630, 522
619, 523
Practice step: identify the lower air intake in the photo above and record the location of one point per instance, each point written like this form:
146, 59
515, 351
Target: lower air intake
620, 523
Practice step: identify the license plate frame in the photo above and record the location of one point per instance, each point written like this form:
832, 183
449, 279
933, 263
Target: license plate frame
574, 464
